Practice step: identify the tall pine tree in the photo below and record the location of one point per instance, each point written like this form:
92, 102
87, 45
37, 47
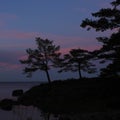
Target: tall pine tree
77, 60
108, 19
44, 57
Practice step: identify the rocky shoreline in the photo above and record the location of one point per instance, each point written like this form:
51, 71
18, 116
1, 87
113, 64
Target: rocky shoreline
93, 95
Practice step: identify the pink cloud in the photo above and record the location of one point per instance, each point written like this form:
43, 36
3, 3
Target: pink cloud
17, 45
23, 57
58, 39
4, 66
16, 34
13, 34
77, 42
8, 16
93, 47
65, 50
90, 48
63, 41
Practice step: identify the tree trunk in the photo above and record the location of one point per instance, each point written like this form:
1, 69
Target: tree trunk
48, 76
80, 76
79, 70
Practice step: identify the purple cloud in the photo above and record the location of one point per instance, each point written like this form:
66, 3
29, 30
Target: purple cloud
5, 66
8, 16
14, 34
63, 41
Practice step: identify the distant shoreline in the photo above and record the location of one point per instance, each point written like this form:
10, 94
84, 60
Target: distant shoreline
24, 82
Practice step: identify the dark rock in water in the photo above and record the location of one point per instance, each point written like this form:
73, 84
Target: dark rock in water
17, 92
7, 104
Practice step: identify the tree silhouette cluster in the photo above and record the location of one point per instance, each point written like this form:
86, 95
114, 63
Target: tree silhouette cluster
43, 58
47, 55
77, 60
107, 19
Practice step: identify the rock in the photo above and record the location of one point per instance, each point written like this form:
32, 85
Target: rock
17, 93
6, 104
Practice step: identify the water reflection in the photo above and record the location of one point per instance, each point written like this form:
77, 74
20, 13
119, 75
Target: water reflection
26, 113
33, 113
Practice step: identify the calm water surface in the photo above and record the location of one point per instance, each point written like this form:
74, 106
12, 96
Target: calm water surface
7, 88
18, 112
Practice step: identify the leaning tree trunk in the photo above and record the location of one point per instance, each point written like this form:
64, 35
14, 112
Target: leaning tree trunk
79, 70
48, 76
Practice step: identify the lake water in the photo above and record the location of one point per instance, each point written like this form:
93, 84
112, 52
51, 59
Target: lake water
7, 88
18, 112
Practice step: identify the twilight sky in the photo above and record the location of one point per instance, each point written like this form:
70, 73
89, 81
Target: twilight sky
58, 20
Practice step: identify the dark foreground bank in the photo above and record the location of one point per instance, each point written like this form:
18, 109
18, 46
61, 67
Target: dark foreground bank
73, 96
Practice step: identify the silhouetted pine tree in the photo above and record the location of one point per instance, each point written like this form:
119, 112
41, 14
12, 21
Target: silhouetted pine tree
108, 19
44, 57
77, 60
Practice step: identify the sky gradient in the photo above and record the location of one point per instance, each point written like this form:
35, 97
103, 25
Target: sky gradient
21, 21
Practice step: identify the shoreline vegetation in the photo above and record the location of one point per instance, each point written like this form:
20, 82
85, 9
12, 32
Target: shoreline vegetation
73, 96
